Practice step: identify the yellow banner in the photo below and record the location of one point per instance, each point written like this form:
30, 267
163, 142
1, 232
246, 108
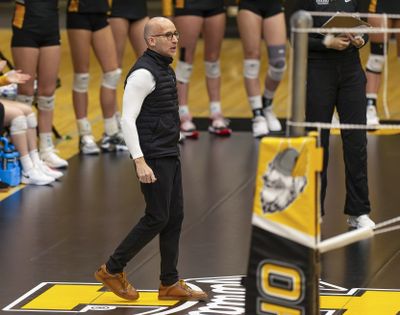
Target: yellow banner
287, 198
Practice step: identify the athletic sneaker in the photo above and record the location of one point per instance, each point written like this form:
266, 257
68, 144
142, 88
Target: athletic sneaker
48, 171
219, 126
35, 177
272, 122
260, 127
113, 143
88, 146
361, 221
50, 157
372, 116
188, 128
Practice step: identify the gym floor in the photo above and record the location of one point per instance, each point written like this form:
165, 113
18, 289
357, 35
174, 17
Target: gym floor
53, 238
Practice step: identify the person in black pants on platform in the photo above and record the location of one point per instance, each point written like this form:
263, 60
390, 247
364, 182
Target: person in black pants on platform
335, 78
150, 125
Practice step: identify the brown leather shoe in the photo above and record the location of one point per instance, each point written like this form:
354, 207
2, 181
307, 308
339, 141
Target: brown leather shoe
117, 283
181, 291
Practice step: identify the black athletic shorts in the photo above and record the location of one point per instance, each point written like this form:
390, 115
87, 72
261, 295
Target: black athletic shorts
128, 9
25, 38
384, 6
265, 8
86, 21
88, 6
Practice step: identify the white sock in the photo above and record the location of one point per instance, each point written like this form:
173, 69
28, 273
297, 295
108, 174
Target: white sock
84, 126
34, 155
184, 111
215, 108
372, 95
110, 125
26, 163
118, 119
46, 140
269, 94
255, 102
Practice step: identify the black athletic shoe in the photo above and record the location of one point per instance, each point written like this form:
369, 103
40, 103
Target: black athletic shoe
113, 143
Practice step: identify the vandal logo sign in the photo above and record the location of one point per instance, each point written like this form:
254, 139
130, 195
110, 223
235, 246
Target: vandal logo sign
280, 187
227, 296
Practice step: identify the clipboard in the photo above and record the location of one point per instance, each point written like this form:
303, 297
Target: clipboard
345, 21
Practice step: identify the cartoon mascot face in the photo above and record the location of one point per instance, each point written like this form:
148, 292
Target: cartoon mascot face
280, 187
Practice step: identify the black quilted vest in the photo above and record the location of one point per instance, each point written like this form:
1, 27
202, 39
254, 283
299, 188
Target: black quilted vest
158, 121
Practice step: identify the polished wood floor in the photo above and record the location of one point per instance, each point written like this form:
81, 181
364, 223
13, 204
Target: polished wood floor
60, 234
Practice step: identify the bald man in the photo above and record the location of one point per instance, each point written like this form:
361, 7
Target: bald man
150, 125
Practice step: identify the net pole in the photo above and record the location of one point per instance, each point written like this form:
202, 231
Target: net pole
301, 19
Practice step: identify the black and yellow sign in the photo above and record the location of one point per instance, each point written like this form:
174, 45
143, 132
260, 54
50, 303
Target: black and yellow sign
282, 276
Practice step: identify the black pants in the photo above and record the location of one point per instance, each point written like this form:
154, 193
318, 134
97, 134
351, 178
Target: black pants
163, 216
341, 82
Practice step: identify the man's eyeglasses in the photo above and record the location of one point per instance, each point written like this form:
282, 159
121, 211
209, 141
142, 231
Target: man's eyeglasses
168, 35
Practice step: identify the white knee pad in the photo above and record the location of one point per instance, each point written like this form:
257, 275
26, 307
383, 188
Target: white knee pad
111, 79
276, 73
31, 121
26, 99
81, 82
277, 62
46, 103
251, 68
183, 71
213, 69
375, 63
18, 125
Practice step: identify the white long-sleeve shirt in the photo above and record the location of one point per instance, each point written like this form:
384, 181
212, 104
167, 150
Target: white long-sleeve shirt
139, 84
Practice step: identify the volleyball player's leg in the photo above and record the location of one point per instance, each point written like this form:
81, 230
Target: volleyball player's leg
49, 61
250, 30
105, 51
276, 47
189, 28
136, 36
79, 42
213, 33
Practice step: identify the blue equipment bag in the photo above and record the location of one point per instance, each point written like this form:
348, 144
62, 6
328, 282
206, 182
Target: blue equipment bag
10, 169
